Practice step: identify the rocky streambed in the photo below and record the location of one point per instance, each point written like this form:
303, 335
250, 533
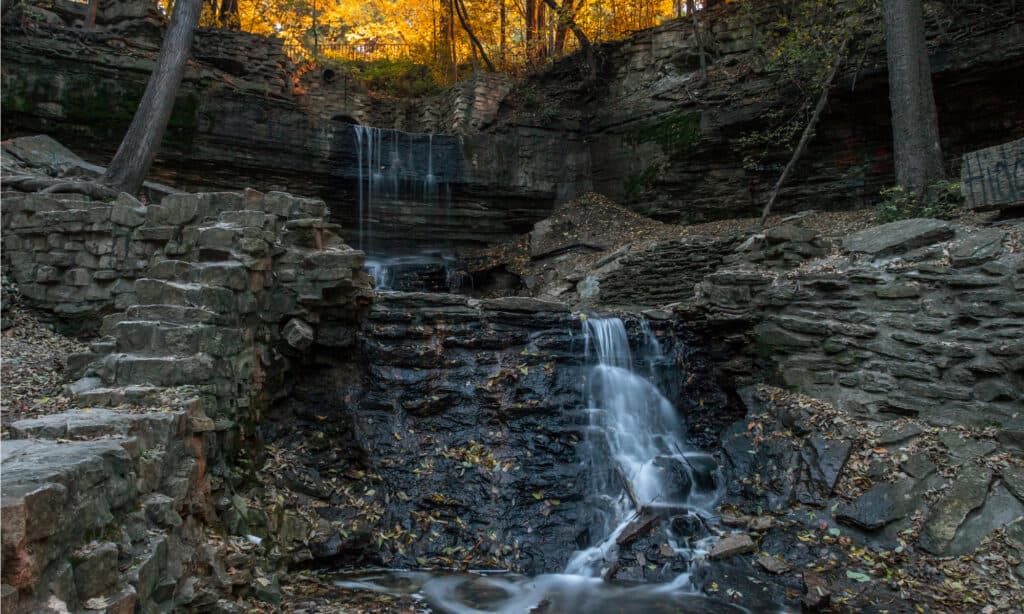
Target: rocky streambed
248, 425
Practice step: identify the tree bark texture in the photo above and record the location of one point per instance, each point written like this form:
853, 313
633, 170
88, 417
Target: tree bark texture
139, 147
915, 124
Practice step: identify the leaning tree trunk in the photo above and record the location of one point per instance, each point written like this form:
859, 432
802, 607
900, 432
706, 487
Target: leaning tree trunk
135, 155
474, 42
915, 124
808, 130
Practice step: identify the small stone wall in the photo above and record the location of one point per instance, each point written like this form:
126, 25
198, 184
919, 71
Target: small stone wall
213, 287
918, 318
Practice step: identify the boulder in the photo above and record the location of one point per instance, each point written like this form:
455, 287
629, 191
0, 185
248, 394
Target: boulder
298, 334
881, 504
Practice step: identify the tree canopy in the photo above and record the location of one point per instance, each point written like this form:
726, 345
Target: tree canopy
509, 34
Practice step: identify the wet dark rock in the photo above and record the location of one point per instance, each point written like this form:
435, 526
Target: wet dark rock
967, 493
817, 594
881, 504
638, 528
773, 564
675, 475
825, 459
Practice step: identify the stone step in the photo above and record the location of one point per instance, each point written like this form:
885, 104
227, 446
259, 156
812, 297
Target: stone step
223, 274
91, 392
172, 314
126, 369
94, 423
159, 292
157, 338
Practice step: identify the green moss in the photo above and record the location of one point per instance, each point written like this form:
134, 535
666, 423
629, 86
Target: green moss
941, 200
677, 134
639, 183
398, 78
94, 111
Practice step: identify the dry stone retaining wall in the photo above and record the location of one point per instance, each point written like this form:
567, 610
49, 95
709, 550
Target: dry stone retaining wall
216, 291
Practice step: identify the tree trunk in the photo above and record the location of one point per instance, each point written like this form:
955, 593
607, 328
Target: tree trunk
808, 130
90, 14
228, 16
453, 44
563, 27
460, 8
135, 155
503, 18
915, 125
588, 49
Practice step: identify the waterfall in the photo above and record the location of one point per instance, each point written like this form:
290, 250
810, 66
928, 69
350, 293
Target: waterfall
635, 442
384, 175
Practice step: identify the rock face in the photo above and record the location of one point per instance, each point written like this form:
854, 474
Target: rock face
653, 135
237, 105
462, 422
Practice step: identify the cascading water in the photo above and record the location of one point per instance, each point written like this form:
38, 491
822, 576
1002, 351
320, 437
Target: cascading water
637, 459
383, 173
638, 465
393, 170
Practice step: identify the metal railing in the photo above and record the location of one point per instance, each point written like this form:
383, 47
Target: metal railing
335, 50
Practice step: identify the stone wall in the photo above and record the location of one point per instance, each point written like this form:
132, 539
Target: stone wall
919, 318
217, 291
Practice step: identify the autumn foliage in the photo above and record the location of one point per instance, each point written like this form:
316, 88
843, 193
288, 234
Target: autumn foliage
511, 34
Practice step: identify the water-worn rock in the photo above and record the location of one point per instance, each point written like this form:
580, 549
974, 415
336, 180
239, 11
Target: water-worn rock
299, 334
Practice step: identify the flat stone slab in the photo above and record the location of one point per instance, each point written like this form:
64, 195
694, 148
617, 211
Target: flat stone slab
963, 449
993, 178
898, 237
28, 463
966, 494
1000, 509
978, 247
881, 504
731, 546
93, 423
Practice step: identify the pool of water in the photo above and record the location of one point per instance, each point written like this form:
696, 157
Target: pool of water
503, 593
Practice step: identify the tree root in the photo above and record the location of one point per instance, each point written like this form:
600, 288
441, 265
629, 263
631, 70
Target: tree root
52, 185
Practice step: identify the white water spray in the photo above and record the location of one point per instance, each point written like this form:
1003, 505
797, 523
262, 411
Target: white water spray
637, 457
